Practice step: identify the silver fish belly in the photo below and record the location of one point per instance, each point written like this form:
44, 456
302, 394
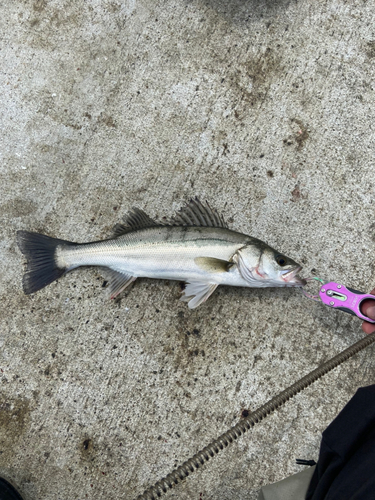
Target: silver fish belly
196, 247
159, 252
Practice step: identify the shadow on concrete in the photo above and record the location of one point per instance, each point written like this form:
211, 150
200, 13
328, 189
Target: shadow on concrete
243, 11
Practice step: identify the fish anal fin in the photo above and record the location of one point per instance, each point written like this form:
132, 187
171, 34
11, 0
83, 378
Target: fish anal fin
196, 213
197, 292
213, 265
118, 281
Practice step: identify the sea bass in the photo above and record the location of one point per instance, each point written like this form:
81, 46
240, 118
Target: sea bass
195, 246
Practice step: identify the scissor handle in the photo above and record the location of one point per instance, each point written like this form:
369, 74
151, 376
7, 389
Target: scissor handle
345, 299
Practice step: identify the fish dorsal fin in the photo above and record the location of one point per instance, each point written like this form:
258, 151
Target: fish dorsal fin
197, 292
117, 281
120, 229
196, 213
135, 219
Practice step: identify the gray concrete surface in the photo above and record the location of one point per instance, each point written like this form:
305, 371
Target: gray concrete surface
266, 109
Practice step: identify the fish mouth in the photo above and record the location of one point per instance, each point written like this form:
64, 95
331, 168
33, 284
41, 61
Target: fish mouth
292, 278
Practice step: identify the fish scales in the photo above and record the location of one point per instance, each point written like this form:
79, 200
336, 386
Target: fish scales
196, 247
160, 252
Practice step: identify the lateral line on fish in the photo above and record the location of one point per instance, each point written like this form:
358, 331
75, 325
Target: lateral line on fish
196, 251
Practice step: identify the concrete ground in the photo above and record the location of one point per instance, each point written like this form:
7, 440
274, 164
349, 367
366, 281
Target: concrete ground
264, 108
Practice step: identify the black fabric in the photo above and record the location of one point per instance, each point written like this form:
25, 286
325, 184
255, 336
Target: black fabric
7, 491
346, 465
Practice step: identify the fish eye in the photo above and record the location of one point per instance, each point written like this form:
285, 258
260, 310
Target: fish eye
281, 260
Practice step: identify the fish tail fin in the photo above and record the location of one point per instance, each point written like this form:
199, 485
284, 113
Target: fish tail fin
42, 265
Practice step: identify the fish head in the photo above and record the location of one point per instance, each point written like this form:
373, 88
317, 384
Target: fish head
263, 266
280, 269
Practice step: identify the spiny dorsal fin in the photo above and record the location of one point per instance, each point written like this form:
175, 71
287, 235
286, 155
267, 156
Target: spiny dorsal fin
120, 229
135, 219
196, 213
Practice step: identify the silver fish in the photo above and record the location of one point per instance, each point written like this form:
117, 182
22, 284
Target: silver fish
196, 246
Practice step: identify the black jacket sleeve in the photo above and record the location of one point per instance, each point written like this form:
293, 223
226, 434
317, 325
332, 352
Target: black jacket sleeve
346, 465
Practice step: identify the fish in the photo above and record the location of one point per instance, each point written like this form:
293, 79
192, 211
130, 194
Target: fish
195, 246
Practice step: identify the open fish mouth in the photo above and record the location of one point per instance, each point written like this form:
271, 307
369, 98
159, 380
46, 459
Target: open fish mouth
292, 278
195, 246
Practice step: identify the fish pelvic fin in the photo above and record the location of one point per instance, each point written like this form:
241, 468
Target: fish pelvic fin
196, 213
117, 281
42, 265
197, 292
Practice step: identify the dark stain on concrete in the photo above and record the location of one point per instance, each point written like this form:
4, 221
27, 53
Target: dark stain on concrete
288, 141
18, 207
254, 77
107, 120
302, 133
246, 11
370, 49
14, 417
372, 231
34, 22
47, 20
87, 449
296, 193
299, 136
39, 5
87, 444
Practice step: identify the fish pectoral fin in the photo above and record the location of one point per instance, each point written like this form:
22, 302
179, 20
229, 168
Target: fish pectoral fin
213, 265
117, 281
197, 292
